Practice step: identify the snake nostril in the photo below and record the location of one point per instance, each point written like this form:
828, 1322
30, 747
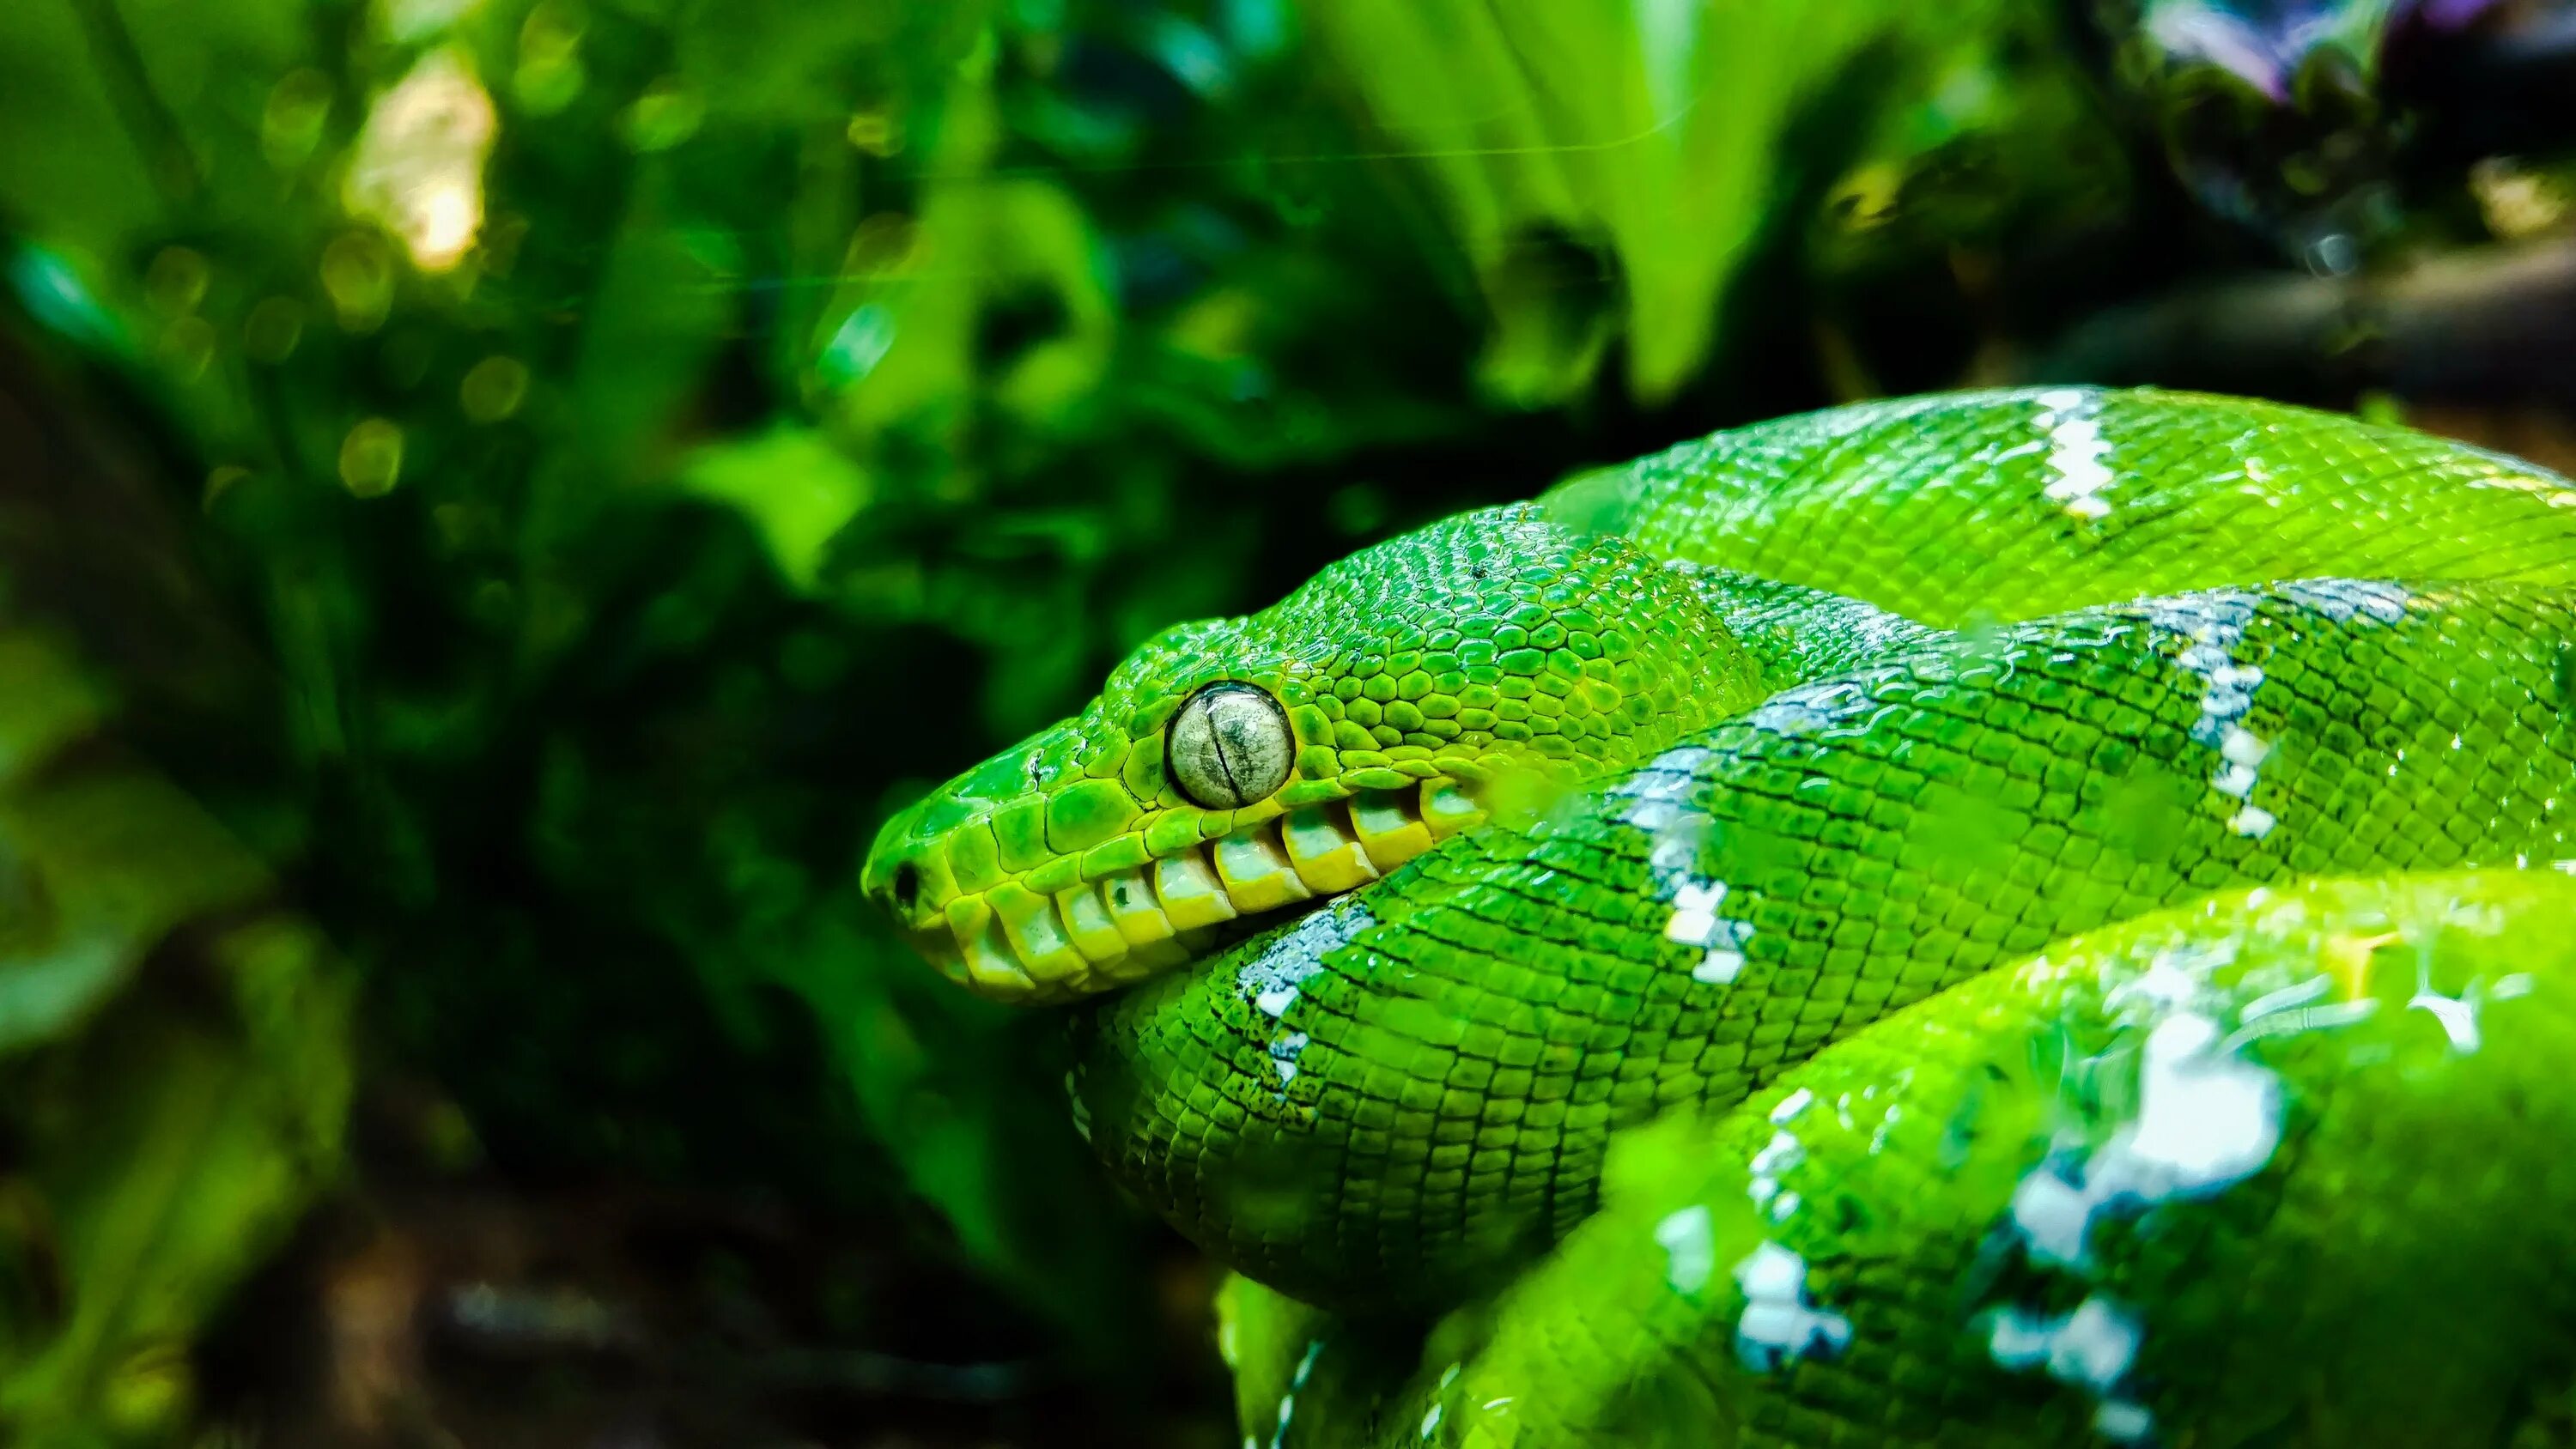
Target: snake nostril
907, 885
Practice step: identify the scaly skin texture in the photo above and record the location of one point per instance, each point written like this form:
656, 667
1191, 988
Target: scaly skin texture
1492, 645
1883, 699
2348, 1223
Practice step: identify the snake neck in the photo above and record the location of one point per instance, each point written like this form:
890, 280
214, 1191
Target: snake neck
1796, 634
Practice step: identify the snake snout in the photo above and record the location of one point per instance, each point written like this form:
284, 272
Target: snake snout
1071, 927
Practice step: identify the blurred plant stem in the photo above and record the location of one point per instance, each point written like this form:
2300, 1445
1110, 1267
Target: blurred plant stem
153, 128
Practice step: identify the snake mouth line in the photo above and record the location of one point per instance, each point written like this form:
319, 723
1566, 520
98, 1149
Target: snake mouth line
1137, 923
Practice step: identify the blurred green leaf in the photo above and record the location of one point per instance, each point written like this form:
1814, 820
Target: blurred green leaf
162, 1141
927, 1066
1606, 168
170, 1155
95, 867
796, 488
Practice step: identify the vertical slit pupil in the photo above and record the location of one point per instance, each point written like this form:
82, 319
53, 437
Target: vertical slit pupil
1230, 746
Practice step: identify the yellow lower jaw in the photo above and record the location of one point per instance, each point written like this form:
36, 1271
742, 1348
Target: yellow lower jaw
1326, 853
1015, 945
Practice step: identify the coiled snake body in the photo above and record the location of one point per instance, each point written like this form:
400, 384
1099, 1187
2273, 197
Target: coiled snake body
2007, 918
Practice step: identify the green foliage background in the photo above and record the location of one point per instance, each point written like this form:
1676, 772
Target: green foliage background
466, 691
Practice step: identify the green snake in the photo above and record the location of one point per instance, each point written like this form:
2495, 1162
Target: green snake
2007, 918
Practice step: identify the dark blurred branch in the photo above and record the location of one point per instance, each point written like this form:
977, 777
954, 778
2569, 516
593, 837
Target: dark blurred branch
2491, 89
94, 539
2497, 325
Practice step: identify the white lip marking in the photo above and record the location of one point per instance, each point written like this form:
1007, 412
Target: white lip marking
1129, 924
993, 966
1129, 899
1386, 824
1446, 810
1037, 938
1326, 855
1256, 871
1191, 894
1088, 925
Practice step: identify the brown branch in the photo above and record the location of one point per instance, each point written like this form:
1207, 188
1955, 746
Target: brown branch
2495, 325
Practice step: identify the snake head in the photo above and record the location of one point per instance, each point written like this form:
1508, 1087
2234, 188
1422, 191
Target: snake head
1234, 770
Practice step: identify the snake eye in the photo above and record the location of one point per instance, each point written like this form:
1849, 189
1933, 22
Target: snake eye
1229, 746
